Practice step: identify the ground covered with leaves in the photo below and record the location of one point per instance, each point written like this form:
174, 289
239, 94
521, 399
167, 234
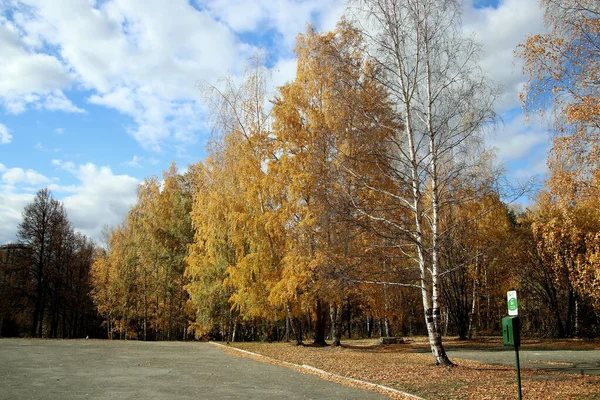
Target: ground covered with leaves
405, 367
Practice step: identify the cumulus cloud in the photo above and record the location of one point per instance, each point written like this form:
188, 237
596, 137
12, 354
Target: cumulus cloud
286, 17
5, 136
100, 198
536, 167
57, 101
11, 206
141, 58
501, 29
284, 71
66, 165
28, 77
97, 197
16, 192
517, 138
18, 175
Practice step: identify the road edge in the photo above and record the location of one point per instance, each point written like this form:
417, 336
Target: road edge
314, 370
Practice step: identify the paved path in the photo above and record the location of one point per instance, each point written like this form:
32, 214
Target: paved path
90, 369
572, 361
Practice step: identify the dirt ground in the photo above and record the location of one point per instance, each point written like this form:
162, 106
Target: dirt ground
95, 369
409, 367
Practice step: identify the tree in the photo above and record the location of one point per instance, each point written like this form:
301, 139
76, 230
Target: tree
43, 221
472, 258
563, 67
16, 287
139, 279
238, 239
322, 120
443, 99
49, 271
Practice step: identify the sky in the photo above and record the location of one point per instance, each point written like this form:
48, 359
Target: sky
96, 95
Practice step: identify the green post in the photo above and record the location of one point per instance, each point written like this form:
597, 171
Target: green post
511, 333
518, 370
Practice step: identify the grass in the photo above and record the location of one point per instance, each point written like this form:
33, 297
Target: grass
408, 368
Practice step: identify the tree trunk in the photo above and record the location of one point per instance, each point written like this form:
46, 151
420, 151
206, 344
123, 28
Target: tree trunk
233, 334
287, 324
145, 306
473, 300
335, 314
388, 327
41, 320
297, 330
320, 324
370, 326
349, 319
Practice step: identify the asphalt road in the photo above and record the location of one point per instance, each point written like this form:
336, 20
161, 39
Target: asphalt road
90, 369
571, 361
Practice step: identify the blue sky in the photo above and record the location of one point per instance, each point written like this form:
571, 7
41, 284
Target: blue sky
96, 95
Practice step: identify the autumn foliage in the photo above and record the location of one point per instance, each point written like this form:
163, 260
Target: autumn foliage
564, 83
305, 221
356, 200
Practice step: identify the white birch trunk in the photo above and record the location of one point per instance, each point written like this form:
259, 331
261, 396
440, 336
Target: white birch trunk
430, 71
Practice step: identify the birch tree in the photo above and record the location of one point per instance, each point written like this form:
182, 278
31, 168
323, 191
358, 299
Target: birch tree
431, 72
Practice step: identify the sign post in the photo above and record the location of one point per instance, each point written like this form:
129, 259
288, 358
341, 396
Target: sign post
513, 306
511, 328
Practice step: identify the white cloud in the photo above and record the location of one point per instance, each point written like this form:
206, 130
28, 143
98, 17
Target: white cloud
19, 175
57, 101
536, 168
284, 71
13, 203
65, 165
141, 58
5, 136
331, 14
240, 15
286, 17
134, 162
518, 138
28, 77
100, 198
523, 145
501, 30
11, 206
59, 131
24, 71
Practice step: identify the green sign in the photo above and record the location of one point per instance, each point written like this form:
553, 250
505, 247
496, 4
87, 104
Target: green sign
513, 306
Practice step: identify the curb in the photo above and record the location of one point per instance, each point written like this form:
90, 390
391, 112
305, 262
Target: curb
322, 372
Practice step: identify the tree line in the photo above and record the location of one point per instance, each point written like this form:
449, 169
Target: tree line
44, 279
360, 195
359, 199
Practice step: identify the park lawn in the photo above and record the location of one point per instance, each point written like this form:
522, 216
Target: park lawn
404, 368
